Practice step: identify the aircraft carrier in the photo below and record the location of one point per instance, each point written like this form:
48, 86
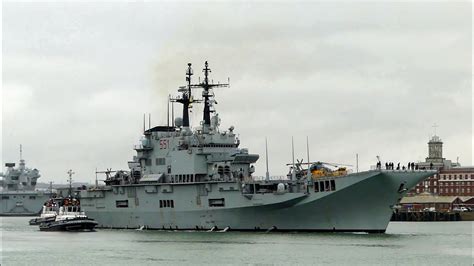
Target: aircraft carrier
18, 196
185, 178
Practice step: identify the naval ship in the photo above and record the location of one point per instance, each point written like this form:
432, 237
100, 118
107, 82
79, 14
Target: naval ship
185, 178
18, 196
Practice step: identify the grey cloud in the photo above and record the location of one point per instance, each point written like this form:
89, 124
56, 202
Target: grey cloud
368, 78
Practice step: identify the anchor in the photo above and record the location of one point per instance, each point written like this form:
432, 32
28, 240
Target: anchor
270, 229
225, 229
213, 228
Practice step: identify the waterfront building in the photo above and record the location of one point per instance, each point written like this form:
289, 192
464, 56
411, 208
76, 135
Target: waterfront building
435, 158
452, 179
457, 181
430, 202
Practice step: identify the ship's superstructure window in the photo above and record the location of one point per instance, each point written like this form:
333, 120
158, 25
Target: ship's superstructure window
121, 203
220, 170
32, 197
160, 161
227, 170
186, 178
326, 185
217, 202
5, 197
166, 203
148, 162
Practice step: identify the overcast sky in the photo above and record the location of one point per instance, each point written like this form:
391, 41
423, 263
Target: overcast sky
366, 78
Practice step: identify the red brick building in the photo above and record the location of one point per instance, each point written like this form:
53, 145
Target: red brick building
458, 181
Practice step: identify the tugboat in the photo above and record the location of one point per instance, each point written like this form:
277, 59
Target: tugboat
48, 214
70, 216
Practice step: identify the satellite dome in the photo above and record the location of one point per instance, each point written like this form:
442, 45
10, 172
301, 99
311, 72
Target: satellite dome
178, 121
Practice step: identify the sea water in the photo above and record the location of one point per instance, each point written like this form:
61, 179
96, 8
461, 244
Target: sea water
404, 243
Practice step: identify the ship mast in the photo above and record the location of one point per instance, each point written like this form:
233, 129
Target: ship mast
207, 95
22, 162
70, 173
205, 85
186, 98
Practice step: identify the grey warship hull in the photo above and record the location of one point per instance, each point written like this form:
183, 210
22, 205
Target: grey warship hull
359, 202
22, 203
19, 196
200, 179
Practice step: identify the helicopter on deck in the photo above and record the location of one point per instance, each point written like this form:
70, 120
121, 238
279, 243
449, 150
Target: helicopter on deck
319, 169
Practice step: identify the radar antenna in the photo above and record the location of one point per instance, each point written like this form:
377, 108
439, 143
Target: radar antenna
186, 97
207, 95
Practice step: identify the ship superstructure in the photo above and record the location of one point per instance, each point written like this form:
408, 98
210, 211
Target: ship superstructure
18, 196
184, 178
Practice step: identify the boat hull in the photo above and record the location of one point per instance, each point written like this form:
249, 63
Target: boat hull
39, 220
69, 225
361, 202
